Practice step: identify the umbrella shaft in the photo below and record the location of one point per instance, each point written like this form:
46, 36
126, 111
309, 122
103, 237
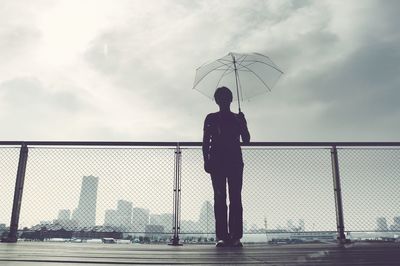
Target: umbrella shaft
237, 83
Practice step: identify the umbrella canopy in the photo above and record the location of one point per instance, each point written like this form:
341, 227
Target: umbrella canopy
248, 75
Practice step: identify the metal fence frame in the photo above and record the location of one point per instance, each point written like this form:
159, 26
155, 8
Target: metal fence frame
23, 159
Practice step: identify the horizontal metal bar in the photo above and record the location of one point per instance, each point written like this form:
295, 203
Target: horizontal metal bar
90, 143
188, 143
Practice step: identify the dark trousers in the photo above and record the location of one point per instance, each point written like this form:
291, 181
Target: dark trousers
232, 228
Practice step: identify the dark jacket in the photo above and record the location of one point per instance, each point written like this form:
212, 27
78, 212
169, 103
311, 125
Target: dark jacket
221, 140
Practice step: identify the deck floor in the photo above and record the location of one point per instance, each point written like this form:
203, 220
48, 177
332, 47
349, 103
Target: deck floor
47, 254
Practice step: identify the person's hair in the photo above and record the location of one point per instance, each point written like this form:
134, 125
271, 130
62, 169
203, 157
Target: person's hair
223, 93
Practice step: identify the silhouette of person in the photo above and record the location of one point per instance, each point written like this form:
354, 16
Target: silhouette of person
223, 161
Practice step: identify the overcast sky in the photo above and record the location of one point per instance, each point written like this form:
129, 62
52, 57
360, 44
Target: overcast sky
123, 70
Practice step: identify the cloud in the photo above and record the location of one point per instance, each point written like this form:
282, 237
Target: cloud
129, 66
32, 95
15, 39
29, 106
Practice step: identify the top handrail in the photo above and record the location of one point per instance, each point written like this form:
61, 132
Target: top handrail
189, 143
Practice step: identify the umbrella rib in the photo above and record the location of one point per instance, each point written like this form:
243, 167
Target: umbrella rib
240, 88
259, 78
214, 69
261, 62
241, 67
249, 63
225, 64
223, 75
245, 62
241, 60
240, 84
244, 56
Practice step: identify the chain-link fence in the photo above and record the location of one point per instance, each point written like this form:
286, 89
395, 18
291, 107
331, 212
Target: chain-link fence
371, 188
98, 193
285, 191
8, 172
88, 192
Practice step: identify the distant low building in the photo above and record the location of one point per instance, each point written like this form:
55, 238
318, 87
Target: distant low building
64, 214
110, 218
396, 224
165, 220
206, 221
140, 218
124, 214
67, 224
153, 231
381, 224
98, 232
189, 227
3, 231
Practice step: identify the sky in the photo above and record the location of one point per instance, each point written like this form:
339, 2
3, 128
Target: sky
124, 70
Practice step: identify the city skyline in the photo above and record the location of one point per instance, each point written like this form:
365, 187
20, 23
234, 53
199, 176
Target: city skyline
280, 184
133, 219
125, 216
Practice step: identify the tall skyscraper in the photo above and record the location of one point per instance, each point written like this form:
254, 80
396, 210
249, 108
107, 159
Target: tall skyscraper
85, 214
206, 220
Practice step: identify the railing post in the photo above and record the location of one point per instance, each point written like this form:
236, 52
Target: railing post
177, 197
338, 196
19, 187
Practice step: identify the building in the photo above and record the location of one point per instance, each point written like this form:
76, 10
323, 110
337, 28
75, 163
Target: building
85, 214
64, 220
381, 224
206, 221
124, 214
396, 224
165, 220
97, 232
188, 226
3, 230
302, 225
64, 215
110, 218
140, 218
290, 225
154, 232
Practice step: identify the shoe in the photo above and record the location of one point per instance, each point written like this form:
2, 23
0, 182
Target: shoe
236, 243
221, 243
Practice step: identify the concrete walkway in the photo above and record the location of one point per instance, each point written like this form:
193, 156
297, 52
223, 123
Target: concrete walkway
47, 254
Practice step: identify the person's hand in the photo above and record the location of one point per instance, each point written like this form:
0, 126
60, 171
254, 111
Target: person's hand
242, 119
207, 167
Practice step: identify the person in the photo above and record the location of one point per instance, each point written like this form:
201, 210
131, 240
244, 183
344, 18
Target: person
223, 161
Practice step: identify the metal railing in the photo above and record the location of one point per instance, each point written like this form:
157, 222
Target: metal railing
158, 191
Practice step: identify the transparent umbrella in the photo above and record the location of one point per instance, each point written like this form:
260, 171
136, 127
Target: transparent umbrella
249, 74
